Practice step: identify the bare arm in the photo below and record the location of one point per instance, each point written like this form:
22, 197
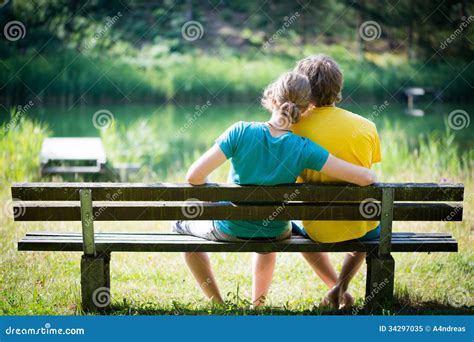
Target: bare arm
208, 162
348, 172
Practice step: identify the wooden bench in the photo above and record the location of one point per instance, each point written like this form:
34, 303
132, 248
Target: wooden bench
89, 202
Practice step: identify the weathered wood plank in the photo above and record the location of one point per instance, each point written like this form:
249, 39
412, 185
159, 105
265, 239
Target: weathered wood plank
380, 281
95, 282
113, 211
87, 219
191, 239
171, 235
235, 193
181, 244
386, 221
185, 240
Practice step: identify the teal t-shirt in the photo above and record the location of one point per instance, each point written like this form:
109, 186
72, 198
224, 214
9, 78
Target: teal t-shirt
258, 158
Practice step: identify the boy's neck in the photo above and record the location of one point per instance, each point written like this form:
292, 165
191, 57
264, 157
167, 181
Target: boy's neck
331, 105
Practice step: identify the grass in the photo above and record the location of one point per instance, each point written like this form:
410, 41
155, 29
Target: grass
49, 283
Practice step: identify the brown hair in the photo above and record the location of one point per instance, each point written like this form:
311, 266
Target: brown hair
325, 78
289, 95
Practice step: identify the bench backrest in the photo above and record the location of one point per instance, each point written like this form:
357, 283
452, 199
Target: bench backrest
383, 202
412, 202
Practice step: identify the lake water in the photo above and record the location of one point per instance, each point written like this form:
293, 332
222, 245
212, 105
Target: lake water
206, 118
168, 137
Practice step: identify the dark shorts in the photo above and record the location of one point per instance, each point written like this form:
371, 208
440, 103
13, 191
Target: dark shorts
297, 229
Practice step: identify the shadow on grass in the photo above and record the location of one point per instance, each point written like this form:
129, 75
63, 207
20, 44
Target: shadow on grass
399, 307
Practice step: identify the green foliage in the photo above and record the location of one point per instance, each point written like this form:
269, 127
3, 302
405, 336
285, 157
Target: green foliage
20, 144
409, 157
103, 51
157, 75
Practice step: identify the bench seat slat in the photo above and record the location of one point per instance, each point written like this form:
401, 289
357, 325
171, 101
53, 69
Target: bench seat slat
400, 243
188, 238
70, 211
164, 235
231, 192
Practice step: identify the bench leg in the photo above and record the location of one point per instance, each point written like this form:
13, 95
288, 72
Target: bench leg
95, 282
380, 281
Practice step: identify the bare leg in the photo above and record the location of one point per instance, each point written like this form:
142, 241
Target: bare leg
321, 265
263, 266
200, 267
352, 263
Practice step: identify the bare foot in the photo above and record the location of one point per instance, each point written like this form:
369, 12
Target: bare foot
333, 298
347, 301
260, 302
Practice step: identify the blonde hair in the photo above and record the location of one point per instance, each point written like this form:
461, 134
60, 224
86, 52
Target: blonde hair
289, 95
325, 77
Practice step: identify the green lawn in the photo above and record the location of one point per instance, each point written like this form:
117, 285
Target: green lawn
36, 283
48, 283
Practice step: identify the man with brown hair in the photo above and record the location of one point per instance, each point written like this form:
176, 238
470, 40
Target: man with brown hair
347, 136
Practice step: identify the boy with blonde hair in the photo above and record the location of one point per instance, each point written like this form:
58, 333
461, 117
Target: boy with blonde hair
347, 136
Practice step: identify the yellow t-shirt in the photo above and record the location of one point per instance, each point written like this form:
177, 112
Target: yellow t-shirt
347, 136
